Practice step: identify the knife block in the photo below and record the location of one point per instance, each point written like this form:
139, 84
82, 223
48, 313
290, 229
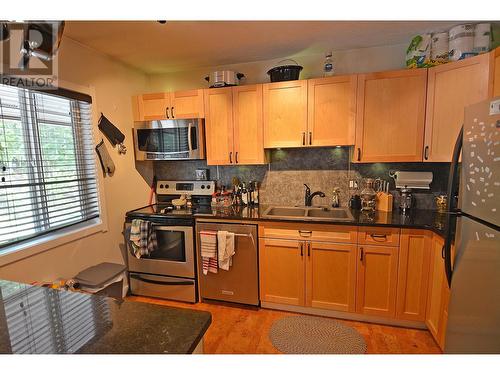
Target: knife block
384, 201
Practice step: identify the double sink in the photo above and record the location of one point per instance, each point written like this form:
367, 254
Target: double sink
309, 213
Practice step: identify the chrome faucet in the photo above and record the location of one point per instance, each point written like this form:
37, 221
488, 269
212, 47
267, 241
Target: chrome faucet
309, 197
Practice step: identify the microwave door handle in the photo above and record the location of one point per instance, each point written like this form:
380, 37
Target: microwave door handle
190, 144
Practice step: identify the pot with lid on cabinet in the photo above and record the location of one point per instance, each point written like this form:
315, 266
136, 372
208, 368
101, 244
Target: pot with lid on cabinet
223, 78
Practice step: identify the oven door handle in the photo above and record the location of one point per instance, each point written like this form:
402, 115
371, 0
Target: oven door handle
184, 282
190, 144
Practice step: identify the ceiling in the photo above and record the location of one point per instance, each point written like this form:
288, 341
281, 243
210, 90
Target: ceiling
183, 45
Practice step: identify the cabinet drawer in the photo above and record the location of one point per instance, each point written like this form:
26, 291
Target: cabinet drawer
379, 236
312, 232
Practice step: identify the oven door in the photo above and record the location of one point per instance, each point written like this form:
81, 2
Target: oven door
169, 140
174, 255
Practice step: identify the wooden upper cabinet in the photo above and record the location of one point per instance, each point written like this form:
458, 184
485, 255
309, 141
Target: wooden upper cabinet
285, 114
451, 88
219, 125
282, 271
390, 116
187, 104
331, 276
377, 280
150, 106
413, 274
331, 111
248, 127
168, 105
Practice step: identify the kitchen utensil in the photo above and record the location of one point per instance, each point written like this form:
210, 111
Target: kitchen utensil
368, 196
406, 200
222, 78
112, 133
181, 201
441, 203
202, 174
285, 72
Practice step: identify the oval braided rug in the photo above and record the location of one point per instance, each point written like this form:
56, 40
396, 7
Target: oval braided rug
315, 335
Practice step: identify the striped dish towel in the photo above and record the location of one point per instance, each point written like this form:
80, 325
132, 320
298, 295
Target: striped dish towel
208, 245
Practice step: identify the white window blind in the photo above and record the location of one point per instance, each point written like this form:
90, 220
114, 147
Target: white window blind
47, 169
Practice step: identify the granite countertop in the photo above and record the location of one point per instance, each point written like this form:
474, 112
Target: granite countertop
41, 320
415, 218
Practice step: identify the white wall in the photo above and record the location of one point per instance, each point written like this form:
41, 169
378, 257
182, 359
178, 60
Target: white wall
360, 60
114, 84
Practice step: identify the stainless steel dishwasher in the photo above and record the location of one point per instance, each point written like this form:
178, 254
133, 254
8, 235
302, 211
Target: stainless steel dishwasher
241, 283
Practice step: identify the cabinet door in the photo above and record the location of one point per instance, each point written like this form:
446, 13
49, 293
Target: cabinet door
282, 271
496, 70
451, 88
331, 276
151, 106
377, 279
413, 274
248, 126
285, 114
331, 110
437, 282
390, 116
187, 104
219, 126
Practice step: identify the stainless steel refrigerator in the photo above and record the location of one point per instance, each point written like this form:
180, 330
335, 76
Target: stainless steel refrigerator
474, 310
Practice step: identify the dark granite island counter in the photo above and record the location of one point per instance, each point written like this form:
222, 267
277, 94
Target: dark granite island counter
41, 320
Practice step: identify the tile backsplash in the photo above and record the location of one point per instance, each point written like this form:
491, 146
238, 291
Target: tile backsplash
321, 168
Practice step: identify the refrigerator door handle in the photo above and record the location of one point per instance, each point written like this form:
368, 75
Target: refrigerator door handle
451, 184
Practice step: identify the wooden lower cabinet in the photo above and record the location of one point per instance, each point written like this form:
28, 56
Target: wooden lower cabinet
438, 293
377, 280
413, 274
282, 271
331, 276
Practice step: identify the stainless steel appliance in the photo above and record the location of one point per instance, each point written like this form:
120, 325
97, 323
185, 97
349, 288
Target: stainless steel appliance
170, 270
241, 283
474, 310
169, 139
222, 78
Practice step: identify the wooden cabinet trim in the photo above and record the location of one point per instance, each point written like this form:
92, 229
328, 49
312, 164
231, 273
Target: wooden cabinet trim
318, 232
379, 236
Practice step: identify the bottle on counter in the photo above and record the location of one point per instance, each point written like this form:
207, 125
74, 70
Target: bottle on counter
244, 194
255, 198
328, 65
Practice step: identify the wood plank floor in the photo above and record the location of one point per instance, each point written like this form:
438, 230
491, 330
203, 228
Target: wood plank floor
245, 331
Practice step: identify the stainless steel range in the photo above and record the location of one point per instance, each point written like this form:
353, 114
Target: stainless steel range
170, 270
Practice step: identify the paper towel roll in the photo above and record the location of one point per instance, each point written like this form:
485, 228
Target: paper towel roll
439, 47
461, 41
482, 37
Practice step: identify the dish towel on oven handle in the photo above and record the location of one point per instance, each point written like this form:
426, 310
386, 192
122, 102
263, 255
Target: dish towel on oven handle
225, 247
142, 238
208, 247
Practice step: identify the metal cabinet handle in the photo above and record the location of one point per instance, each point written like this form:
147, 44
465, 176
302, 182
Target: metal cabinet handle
361, 254
231, 157
236, 157
166, 112
172, 112
305, 233
301, 246
308, 249
303, 138
310, 138
359, 154
381, 236
426, 153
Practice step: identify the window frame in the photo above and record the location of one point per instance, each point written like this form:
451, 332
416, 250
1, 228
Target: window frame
75, 232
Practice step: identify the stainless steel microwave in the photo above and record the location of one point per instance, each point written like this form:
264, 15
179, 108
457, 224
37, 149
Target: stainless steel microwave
169, 139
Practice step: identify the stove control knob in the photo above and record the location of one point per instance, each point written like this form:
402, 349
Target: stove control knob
203, 186
161, 186
167, 186
208, 186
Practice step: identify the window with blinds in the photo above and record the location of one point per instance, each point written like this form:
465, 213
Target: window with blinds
47, 169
